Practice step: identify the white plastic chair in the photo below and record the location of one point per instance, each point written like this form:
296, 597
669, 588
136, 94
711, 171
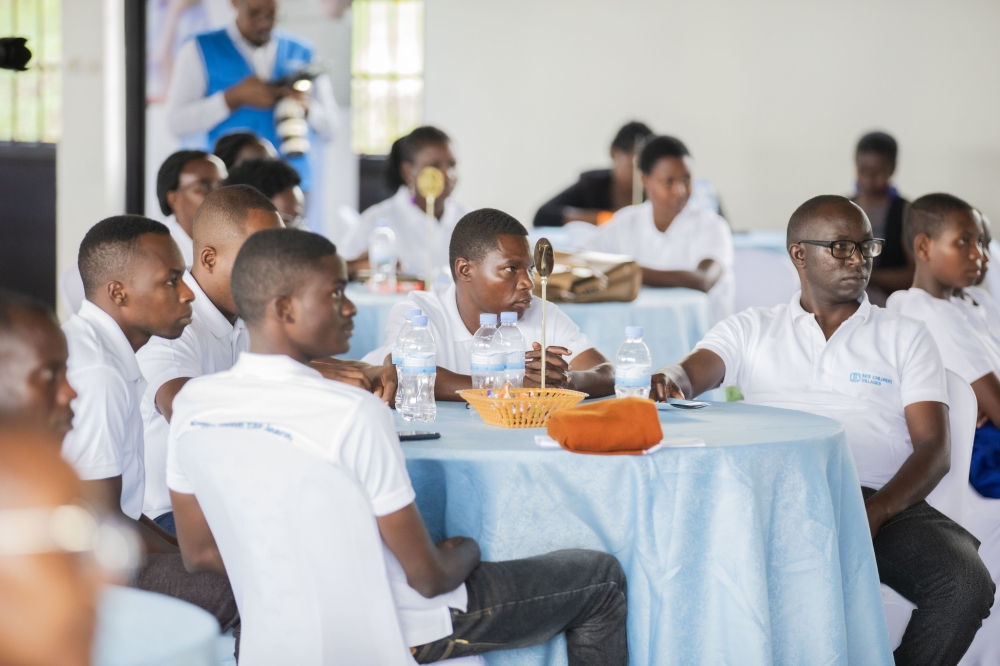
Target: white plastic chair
950, 497
302, 550
763, 278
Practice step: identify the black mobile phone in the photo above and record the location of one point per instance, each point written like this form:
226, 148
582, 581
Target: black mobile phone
417, 435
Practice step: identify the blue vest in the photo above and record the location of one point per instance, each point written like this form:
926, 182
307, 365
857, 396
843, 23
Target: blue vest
225, 67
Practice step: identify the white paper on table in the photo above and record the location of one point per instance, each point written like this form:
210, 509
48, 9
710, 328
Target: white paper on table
546, 442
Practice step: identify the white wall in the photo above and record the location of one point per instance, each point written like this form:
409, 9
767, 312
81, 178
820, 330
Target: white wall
770, 97
90, 159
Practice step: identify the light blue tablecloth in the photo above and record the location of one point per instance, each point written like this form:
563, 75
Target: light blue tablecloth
754, 549
673, 319
141, 628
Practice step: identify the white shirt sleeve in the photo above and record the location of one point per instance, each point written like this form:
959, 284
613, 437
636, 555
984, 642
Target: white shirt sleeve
323, 108
610, 238
356, 244
96, 445
730, 339
162, 360
566, 334
715, 242
184, 401
188, 110
371, 450
922, 376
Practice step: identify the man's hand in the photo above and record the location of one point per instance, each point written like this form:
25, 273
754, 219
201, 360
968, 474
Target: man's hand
556, 367
663, 387
347, 374
385, 383
876, 515
251, 91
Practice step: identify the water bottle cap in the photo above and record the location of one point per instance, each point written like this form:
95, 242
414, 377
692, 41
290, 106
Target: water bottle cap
633, 332
413, 313
487, 320
420, 320
508, 317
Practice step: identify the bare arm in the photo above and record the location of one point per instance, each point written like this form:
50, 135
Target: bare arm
987, 390
198, 548
927, 423
108, 492
379, 380
166, 393
431, 569
447, 383
571, 214
590, 372
702, 278
701, 370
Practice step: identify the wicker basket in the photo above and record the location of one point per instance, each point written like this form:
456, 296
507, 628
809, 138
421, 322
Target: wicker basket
529, 408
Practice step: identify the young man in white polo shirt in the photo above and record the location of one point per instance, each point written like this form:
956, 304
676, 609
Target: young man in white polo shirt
132, 274
289, 286
491, 262
677, 243
832, 353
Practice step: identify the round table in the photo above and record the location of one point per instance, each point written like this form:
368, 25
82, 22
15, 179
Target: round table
136, 627
753, 549
673, 321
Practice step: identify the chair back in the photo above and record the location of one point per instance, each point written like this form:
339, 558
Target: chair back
950, 497
301, 547
763, 278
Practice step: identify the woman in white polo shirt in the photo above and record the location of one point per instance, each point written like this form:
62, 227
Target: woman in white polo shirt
406, 211
676, 242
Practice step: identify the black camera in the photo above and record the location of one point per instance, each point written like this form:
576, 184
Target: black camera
14, 54
290, 116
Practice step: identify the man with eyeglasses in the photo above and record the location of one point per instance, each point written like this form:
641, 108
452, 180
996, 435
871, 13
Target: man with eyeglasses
830, 352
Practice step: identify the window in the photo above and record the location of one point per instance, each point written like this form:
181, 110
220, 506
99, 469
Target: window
30, 100
387, 72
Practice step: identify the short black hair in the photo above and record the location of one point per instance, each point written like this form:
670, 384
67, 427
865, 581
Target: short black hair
228, 147
804, 215
270, 264
627, 135
926, 215
879, 143
225, 211
12, 301
476, 234
168, 178
269, 176
405, 149
659, 148
108, 247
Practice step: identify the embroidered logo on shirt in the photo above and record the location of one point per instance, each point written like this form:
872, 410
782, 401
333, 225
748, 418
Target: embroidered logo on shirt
245, 425
865, 378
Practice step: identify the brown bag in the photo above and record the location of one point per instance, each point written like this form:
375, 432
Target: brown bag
592, 277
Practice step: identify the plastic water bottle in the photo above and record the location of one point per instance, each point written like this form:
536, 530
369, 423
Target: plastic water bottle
513, 345
397, 351
633, 366
382, 259
419, 373
487, 357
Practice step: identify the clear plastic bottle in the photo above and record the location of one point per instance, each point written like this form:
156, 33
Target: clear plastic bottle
397, 351
633, 366
487, 363
382, 259
513, 345
419, 373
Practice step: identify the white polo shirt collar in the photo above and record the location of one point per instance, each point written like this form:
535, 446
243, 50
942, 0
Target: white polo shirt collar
113, 334
796, 311
206, 311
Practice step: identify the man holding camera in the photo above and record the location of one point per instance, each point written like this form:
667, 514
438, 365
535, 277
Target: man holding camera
232, 79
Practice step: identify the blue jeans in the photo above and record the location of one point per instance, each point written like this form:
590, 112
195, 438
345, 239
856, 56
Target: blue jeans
526, 602
166, 521
984, 473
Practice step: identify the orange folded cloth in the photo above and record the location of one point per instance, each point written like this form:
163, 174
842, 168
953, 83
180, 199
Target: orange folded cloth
625, 426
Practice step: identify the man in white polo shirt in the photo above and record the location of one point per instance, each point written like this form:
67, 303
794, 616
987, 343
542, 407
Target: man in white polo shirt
677, 243
132, 275
491, 262
289, 286
832, 353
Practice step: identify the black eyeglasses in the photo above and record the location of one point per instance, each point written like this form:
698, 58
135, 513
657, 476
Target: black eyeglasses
843, 249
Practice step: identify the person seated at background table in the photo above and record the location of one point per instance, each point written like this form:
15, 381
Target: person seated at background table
277, 181
983, 305
491, 262
676, 242
238, 147
875, 163
182, 183
406, 211
596, 196
289, 286
949, 246
132, 271
48, 594
832, 353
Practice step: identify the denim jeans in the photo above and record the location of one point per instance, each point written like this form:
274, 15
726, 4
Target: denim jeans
526, 602
166, 521
934, 562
